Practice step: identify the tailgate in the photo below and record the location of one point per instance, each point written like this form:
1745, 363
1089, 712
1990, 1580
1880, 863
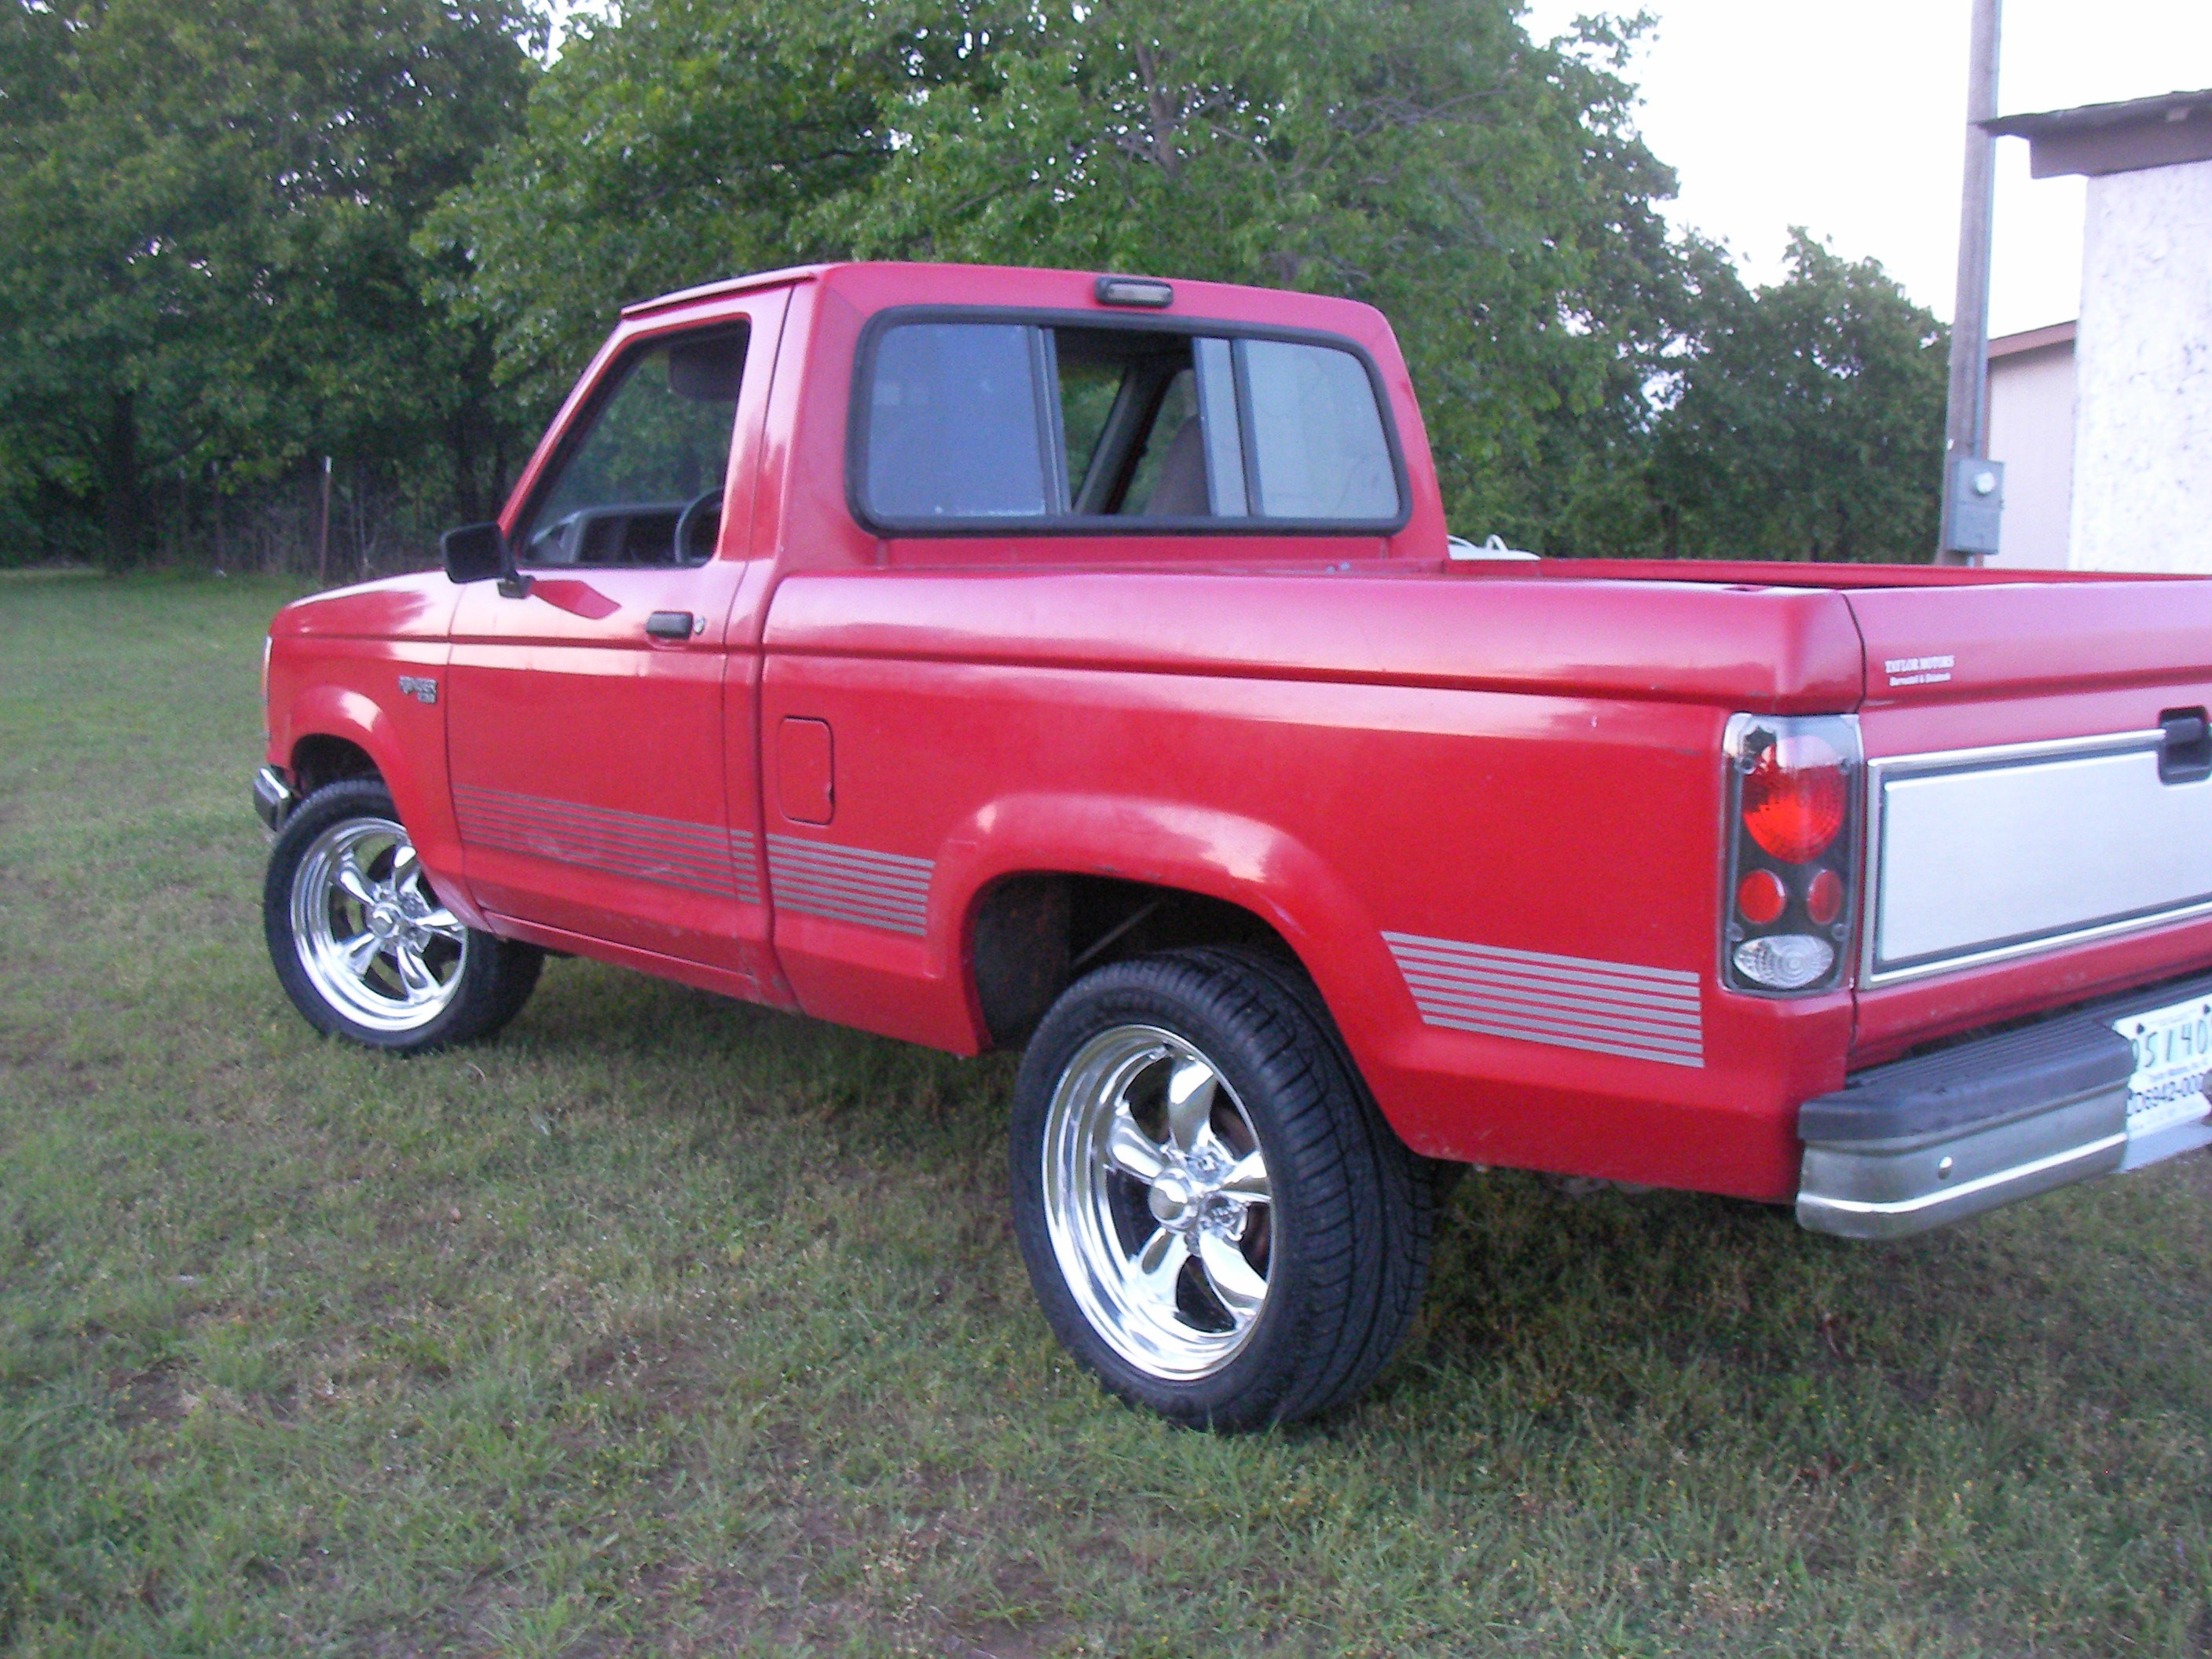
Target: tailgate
2039, 795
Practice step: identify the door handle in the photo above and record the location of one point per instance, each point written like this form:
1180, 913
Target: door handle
2184, 750
674, 625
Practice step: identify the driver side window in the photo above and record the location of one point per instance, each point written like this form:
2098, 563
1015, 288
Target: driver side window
643, 486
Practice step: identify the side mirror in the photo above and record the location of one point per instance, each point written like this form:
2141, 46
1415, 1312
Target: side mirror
474, 553
478, 553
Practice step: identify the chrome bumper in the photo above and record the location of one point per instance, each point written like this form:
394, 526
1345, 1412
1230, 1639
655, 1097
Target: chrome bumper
273, 798
1922, 1142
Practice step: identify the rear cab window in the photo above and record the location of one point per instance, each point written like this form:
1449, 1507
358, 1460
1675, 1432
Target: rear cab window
974, 423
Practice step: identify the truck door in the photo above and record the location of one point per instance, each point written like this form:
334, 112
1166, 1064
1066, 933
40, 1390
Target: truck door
589, 734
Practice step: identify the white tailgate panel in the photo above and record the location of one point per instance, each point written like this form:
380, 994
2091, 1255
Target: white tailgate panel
1982, 856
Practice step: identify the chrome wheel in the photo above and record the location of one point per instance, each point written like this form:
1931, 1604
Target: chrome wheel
374, 940
1157, 1202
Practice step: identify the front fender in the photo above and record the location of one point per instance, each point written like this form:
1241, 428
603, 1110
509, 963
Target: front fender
405, 738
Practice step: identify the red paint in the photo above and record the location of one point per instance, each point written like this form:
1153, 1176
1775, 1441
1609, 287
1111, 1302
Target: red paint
577, 598
806, 770
1346, 736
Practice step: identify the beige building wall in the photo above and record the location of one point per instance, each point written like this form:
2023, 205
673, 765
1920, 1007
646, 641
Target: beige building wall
2143, 429
2031, 432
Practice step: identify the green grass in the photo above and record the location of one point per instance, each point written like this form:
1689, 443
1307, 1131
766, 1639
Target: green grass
667, 1325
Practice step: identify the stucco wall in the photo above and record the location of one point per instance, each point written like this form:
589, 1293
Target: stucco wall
2142, 432
2031, 432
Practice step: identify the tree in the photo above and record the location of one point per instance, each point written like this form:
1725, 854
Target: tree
210, 206
246, 232
1424, 155
1809, 423
673, 146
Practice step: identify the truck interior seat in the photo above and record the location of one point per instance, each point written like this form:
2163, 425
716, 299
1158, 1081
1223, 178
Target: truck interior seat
1180, 490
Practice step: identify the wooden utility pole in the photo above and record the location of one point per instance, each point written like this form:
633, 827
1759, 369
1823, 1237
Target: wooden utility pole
1966, 422
323, 535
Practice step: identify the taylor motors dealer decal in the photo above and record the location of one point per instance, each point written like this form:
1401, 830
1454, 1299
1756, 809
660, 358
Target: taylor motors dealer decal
1917, 671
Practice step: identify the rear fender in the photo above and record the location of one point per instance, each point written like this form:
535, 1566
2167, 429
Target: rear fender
1243, 861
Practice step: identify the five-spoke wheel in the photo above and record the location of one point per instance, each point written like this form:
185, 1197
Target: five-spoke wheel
1215, 1219
1157, 1200
362, 941
373, 938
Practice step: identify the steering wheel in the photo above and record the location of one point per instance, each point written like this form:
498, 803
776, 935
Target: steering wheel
688, 521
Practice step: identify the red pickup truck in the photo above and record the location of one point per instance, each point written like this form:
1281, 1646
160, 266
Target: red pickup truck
981, 657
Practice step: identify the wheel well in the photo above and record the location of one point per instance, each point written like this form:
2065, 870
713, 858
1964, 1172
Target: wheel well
320, 760
1033, 934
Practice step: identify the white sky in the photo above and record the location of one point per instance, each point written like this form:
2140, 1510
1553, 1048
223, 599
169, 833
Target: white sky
1847, 116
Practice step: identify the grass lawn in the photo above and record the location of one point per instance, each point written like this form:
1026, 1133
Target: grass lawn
663, 1325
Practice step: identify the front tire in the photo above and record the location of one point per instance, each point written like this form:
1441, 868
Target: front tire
364, 947
1215, 1219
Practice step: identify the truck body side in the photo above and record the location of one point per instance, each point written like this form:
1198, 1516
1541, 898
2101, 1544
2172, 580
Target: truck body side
1484, 807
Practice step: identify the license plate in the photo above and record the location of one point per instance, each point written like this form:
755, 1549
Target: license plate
2173, 1057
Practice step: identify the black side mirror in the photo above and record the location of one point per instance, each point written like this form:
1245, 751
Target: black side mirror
474, 553
478, 553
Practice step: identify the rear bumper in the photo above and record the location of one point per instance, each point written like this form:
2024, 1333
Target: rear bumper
273, 798
1922, 1142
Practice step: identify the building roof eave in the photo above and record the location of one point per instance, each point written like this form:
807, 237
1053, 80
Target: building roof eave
2095, 139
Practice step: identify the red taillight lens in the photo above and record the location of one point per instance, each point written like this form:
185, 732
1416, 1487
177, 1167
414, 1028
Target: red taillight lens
1824, 898
1794, 797
1760, 898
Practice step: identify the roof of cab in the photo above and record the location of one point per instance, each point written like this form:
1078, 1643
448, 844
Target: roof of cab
715, 290
873, 285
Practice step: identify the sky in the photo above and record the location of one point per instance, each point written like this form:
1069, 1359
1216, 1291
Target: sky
1847, 116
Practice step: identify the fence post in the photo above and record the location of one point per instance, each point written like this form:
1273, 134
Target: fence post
323, 535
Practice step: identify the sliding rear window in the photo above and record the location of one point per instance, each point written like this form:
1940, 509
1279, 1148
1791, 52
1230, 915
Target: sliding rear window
966, 424
953, 426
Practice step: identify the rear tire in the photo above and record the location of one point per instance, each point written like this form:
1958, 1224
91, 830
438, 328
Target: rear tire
1215, 1218
362, 944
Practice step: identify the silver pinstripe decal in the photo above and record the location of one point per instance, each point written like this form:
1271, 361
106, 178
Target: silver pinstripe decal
1569, 1002
850, 884
702, 858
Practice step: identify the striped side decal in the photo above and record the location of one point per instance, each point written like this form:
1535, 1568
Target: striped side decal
1569, 1002
702, 858
850, 884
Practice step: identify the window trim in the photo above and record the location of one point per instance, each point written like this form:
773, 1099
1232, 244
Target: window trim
1042, 319
610, 380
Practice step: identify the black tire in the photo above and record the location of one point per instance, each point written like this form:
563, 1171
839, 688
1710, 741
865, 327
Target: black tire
1350, 1209
481, 981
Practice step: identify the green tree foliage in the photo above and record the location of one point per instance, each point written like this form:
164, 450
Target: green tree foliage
1810, 419
245, 233
676, 146
208, 206
1422, 154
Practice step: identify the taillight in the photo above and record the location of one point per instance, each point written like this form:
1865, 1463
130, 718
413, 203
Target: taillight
1793, 797
1793, 851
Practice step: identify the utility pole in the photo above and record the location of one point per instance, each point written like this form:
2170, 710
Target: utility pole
1972, 486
